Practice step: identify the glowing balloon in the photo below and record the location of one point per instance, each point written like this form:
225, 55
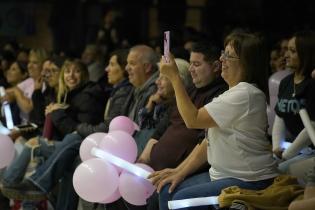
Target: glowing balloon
95, 180
134, 189
7, 151
120, 144
114, 197
88, 143
124, 124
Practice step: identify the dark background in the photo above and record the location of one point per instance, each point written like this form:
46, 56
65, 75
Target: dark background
74, 23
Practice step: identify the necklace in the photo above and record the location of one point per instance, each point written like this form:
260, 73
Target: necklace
293, 94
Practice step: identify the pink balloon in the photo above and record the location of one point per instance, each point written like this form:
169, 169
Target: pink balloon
124, 124
95, 180
120, 144
114, 197
7, 151
134, 189
88, 143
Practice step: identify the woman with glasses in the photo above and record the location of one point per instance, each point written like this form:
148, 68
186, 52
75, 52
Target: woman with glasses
236, 146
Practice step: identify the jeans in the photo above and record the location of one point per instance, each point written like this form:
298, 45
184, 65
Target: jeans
153, 202
200, 185
57, 168
297, 166
52, 170
142, 137
16, 171
284, 167
14, 174
67, 197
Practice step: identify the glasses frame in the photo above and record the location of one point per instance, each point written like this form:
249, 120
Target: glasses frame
226, 56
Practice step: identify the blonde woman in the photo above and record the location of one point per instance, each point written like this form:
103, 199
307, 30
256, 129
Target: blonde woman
78, 100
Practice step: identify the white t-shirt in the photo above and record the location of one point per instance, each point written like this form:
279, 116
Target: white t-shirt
238, 147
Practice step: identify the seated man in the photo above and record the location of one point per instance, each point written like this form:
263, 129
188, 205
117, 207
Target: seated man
173, 141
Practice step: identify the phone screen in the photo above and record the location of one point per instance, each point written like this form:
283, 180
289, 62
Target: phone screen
26, 126
167, 46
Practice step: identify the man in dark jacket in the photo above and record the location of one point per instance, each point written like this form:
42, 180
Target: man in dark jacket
142, 71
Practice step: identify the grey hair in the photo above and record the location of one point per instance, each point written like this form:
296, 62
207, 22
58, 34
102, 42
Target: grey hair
183, 68
148, 55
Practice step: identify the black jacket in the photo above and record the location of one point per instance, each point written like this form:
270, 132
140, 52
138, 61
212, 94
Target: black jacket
86, 104
138, 98
40, 101
116, 102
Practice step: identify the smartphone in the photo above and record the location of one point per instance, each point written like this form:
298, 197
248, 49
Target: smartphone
167, 46
26, 126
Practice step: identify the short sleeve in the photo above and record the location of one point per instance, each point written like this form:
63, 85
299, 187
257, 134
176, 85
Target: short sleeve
229, 107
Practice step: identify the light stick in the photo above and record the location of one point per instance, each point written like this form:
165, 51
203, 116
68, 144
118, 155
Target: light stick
7, 110
205, 201
8, 115
132, 168
307, 124
285, 144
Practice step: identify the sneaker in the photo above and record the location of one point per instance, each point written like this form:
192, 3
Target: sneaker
25, 190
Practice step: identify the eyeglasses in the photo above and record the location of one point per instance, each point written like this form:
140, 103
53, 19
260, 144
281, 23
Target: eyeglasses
226, 56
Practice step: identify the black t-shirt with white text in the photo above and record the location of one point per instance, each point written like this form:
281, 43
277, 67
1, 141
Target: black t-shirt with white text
293, 98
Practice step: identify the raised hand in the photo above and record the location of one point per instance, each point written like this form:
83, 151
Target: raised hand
39, 83
153, 100
170, 69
